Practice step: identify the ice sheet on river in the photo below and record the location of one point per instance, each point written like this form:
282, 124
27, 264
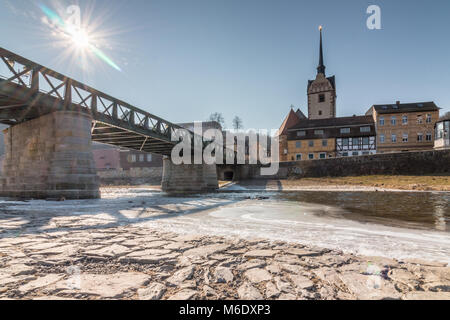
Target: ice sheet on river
232, 214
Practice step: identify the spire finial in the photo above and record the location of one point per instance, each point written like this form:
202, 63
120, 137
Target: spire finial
321, 67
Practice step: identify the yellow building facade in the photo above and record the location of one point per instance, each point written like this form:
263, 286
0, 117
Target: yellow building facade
311, 149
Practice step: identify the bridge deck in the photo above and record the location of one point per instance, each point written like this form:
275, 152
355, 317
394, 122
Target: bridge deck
29, 90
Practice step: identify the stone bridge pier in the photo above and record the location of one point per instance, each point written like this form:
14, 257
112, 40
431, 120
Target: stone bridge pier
50, 157
188, 178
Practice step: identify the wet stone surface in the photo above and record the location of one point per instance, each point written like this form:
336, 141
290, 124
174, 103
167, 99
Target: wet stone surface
87, 256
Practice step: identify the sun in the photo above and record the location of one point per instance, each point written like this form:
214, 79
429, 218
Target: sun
79, 37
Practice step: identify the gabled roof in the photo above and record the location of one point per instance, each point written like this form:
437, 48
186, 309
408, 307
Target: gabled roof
291, 120
404, 107
300, 114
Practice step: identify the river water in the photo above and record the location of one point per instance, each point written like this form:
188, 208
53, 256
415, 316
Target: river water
392, 224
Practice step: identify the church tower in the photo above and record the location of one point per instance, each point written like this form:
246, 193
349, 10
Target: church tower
321, 92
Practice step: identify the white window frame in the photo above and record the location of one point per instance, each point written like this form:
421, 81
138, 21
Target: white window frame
394, 120
421, 137
404, 119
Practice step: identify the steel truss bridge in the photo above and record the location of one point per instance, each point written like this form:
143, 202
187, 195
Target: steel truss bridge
29, 90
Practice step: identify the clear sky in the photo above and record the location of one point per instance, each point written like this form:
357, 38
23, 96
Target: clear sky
185, 59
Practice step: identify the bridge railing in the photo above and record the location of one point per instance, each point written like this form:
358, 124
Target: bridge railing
37, 80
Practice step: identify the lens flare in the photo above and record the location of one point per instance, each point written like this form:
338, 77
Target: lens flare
78, 36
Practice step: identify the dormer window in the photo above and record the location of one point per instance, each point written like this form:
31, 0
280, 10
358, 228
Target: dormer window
321, 98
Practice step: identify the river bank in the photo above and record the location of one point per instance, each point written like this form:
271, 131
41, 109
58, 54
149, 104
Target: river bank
363, 183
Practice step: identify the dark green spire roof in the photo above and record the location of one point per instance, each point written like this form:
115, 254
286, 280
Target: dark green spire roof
321, 67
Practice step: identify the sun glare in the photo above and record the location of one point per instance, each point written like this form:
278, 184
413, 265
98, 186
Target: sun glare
81, 41
80, 38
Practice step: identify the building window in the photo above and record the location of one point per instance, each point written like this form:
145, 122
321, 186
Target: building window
405, 137
323, 156
382, 138
311, 156
311, 143
132, 158
320, 112
301, 133
405, 119
345, 130
324, 143
419, 120
355, 153
394, 138
419, 137
429, 118
429, 137
345, 142
141, 158
298, 157
366, 153
149, 157
355, 142
365, 141
345, 154
394, 120
321, 98
381, 121
318, 132
364, 129
298, 144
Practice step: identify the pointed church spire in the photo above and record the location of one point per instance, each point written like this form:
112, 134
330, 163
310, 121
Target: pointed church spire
321, 67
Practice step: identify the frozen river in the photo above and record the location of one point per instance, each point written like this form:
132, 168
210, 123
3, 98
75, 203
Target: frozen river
397, 225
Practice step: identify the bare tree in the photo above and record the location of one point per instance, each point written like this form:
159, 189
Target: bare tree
218, 117
237, 123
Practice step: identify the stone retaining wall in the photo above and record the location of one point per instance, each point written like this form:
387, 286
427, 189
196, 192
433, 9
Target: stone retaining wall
408, 163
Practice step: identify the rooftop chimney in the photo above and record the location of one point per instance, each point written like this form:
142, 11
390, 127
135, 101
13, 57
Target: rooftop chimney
398, 103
